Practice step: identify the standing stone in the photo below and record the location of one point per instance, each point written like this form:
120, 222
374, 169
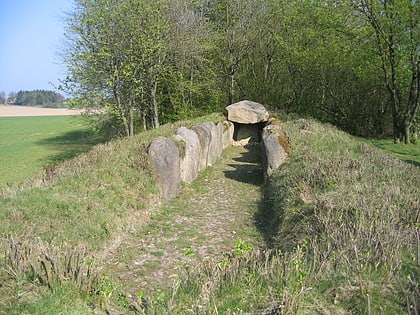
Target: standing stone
247, 112
214, 144
165, 158
273, 152
203, 131
219, 144
190, 159
228, 130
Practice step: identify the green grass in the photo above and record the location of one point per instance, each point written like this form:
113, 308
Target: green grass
28, 144
407, 152
84, 202
340, 218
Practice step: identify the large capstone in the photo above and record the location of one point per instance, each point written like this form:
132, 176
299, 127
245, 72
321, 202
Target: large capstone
247, 112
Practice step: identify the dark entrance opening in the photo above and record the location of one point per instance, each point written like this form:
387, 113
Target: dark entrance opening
248, 133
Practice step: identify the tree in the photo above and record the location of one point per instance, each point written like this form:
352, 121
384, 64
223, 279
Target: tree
396, 27
115, 55
232, 21
11, 98
37, 97
192, 87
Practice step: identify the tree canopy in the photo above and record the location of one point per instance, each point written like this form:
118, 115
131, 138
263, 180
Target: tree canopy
351, 63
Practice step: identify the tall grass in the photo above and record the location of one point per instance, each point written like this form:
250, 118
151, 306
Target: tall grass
358, 208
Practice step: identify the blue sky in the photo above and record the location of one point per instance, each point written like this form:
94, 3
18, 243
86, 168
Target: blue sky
31, 34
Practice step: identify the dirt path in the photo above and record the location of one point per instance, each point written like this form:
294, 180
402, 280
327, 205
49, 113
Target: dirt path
204, 222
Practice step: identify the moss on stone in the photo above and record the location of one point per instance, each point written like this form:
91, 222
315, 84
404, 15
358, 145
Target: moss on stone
181, 145
275, 122
284, 142
282, 138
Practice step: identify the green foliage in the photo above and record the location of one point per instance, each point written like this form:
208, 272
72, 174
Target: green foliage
115, 57
175, 59
395, 25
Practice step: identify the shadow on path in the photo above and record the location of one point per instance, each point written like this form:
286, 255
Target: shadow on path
248, 168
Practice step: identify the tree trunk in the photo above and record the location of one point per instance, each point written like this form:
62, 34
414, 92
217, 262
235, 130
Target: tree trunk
401, 132
155, 112
231, 91
131, 119
144, 120
122, 112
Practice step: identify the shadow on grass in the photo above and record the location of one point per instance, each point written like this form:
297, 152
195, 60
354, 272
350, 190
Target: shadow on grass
268, 216
415, 163
249, 170
70, 144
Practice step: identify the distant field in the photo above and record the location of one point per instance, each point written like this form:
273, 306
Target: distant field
28, 144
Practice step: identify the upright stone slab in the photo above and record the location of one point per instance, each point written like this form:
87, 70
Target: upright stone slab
165, 158
228, 130
273, 152
214, 144
247, 112
219, 127
203, 131
190, 159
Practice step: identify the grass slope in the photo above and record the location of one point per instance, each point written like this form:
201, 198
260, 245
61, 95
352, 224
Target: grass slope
51, 227
340, 220
28, 144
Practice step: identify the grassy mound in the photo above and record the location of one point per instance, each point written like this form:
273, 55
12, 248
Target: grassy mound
340, 219
79, 208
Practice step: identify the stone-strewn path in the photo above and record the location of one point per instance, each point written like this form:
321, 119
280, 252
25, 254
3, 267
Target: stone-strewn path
204, 222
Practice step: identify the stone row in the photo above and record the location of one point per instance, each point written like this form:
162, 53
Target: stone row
181, 157
189, 151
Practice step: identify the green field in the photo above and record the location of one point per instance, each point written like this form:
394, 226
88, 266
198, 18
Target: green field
407, 152
28, 144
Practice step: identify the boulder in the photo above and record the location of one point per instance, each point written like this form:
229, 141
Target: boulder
247, 112
164, 155
273, 152
190, 159
203, 131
